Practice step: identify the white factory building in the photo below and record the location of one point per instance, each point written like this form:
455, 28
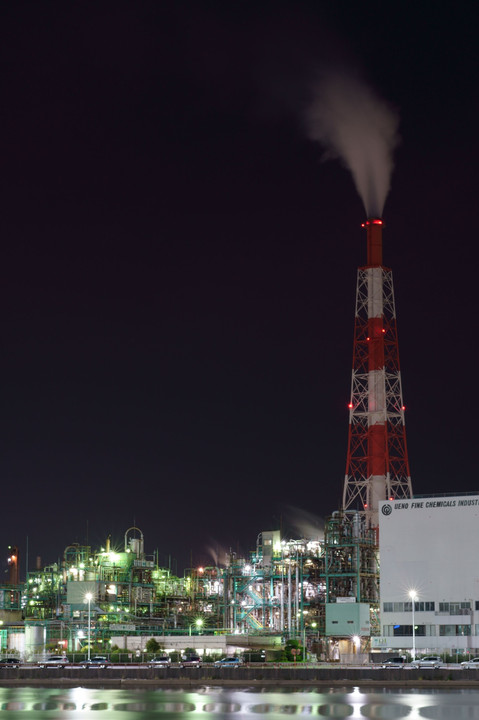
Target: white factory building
428, 550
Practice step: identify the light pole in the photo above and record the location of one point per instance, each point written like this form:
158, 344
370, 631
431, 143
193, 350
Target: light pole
88, 598
198, 623
413, 596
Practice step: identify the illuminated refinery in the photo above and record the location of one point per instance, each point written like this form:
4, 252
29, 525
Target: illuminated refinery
330, 593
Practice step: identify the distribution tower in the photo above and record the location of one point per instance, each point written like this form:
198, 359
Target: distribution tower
377, 466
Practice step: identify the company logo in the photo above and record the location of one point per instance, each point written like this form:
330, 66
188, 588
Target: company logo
386, 509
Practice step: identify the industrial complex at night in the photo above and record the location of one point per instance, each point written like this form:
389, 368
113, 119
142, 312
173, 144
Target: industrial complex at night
391, 574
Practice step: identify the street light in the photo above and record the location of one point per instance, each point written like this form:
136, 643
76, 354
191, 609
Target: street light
198, 623
88, 598
413, 596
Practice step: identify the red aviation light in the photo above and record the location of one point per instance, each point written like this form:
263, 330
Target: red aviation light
403, 407
372, 221
350, 405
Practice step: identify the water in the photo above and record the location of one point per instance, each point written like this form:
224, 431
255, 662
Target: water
215, 703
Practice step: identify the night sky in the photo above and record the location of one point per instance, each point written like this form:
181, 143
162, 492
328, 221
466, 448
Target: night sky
179, 265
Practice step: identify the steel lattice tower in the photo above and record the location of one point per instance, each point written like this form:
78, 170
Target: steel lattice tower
377, 465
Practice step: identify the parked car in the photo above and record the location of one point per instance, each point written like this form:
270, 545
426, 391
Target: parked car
472, 663
191, 661
99, 661
429, 661
161, 661
10, 662
58, 661
394, 662
228, 662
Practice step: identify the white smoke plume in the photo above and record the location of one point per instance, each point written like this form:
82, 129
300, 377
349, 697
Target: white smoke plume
218, 554
306, 524
352, 123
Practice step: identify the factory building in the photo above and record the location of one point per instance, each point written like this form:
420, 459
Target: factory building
313, 590
428, 559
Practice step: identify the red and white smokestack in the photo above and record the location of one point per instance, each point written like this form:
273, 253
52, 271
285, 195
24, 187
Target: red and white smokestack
376, 377
377, 465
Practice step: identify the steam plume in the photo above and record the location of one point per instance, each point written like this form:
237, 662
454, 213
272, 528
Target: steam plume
347, 118
306, 524
218, 554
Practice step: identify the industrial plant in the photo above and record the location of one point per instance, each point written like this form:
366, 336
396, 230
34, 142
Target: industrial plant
387, 576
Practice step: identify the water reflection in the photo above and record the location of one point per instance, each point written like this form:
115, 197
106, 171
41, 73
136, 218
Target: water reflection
241, 704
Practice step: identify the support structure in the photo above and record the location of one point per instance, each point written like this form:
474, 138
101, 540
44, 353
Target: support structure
377, 465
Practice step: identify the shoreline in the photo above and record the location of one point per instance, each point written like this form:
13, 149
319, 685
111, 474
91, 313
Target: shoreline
351, 678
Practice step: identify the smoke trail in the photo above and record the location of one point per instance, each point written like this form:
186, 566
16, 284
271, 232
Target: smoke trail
353, 124
217, 553
306, 524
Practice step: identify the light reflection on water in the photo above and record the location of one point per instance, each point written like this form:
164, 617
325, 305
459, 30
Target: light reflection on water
214, 703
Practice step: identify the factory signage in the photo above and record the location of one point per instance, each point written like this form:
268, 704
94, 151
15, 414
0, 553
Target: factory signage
428, 504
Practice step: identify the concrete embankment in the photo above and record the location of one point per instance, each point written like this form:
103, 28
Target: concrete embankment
242, 676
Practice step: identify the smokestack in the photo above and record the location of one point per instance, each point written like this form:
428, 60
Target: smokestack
377, 466
374, 228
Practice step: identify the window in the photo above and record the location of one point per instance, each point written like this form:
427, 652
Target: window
455, 608
419, 606
459, 608
448, 630
406, 630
